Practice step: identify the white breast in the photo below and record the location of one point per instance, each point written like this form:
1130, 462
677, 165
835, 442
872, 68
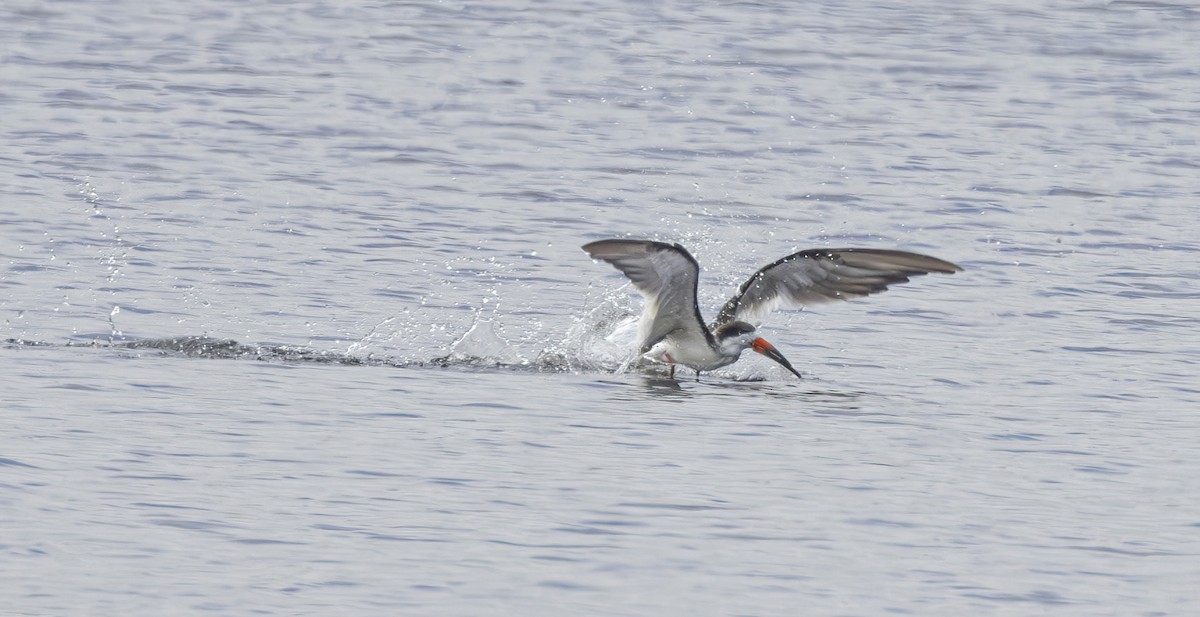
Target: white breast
689, 349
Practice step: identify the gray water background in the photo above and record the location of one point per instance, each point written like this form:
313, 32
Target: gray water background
346, 189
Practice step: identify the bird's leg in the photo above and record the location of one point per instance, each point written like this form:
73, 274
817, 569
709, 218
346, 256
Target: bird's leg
697, 376
671, 361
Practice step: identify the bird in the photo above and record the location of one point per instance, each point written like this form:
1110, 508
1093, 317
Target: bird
671, 329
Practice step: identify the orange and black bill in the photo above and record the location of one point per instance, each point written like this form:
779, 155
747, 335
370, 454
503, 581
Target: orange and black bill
768, 350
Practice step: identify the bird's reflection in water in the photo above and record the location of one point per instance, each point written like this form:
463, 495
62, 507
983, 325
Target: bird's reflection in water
663, 386
660, 386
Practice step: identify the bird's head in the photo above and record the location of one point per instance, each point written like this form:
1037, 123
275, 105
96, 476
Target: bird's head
736, 336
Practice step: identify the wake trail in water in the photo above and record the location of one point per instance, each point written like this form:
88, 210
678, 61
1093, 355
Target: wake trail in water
601, 339
584, 349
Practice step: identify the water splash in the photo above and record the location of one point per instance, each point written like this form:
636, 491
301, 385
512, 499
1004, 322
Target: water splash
113, 331
373, 338
482, 345
604, 338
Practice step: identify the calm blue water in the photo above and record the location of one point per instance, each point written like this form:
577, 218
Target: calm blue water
296, 322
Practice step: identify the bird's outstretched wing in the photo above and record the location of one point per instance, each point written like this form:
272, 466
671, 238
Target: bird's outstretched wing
825, 275
666, 275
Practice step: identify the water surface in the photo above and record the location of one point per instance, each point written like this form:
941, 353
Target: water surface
243, 248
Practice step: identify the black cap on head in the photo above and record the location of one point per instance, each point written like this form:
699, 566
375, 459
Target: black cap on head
733, 329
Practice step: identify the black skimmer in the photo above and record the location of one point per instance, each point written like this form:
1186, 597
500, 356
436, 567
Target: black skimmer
672, 330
